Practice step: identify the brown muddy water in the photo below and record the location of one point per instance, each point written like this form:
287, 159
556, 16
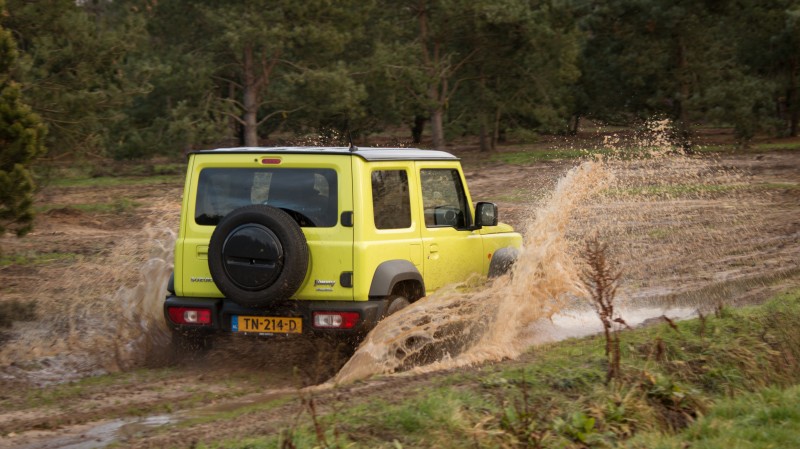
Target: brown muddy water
687, 233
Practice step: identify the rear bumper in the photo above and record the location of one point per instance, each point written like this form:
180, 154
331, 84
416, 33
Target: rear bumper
222, 311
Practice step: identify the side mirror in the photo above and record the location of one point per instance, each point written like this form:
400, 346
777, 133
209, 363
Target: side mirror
485, 215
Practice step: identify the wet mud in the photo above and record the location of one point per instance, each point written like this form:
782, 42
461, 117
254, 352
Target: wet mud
688, 232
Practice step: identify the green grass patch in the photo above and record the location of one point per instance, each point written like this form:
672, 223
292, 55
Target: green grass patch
777, 146
752, 148
618, 152
35, 258
528, 157
84, 388
680, 190
624, 151
763, 419
118, 206
677, 190
232, 414
170, 169
676, 388
516, 195
108, 181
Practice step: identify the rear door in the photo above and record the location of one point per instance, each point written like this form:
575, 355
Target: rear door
389, 228
220, 185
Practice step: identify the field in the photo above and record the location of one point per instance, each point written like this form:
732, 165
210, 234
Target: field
84, 359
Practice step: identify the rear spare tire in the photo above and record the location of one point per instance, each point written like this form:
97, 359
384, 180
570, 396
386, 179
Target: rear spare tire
257, 254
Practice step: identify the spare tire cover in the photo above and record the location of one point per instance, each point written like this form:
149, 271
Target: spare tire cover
257, 254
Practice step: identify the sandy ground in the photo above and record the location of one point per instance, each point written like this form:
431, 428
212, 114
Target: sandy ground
736, 242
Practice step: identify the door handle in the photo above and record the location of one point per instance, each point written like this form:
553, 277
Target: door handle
433, 252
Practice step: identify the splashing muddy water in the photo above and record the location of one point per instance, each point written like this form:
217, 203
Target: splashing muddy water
105, 316
688, 234
453, 328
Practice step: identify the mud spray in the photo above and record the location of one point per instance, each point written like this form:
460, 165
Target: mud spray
687, 232
106, 315
453, 328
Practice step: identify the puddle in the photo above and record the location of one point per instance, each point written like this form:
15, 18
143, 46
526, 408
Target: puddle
577, 324
97, 435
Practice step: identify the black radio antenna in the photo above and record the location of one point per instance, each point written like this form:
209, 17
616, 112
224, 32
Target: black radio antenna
350, 138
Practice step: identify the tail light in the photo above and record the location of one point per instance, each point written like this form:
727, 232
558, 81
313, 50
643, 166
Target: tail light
336, 320
190, 315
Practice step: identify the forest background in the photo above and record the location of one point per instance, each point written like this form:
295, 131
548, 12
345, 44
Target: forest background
133, 79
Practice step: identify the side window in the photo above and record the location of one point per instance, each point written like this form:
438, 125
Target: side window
390, 199
443, 199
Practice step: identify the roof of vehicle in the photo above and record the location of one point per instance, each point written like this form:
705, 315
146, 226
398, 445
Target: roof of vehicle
368, 154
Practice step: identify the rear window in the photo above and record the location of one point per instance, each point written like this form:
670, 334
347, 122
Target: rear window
308, 195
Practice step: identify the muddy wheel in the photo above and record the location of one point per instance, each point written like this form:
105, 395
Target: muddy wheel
397, 303
258, 254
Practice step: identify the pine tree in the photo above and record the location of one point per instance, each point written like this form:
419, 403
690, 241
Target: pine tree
21, 142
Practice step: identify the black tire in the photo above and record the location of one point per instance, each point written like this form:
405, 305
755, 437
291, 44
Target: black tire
397, 303
258, 254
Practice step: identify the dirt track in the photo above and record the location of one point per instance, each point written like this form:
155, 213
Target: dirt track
738, 241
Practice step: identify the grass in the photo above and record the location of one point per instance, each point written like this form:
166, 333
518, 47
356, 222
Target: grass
777, 146
767, 418
621, 151
533, 156
61, 396
678, 190
752, 148
108, 181
707, 382
119, 205
515, 195
231, 414
65, 171
86, 387
29, 259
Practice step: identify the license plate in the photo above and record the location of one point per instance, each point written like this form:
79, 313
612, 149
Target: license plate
267, 324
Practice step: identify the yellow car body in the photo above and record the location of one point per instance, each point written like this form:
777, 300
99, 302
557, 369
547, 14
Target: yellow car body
379, 224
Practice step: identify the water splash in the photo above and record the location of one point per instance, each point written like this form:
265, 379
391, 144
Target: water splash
455, 328
105, 317
688, 233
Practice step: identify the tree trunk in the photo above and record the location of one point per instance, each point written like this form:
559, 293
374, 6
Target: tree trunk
483, 135
575, 125
483, 118
680, 112
437, 90
437, 128
496, 132
418, 128
250, 99
793, 105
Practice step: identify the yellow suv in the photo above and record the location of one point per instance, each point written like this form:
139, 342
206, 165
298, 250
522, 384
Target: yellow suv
277, 241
